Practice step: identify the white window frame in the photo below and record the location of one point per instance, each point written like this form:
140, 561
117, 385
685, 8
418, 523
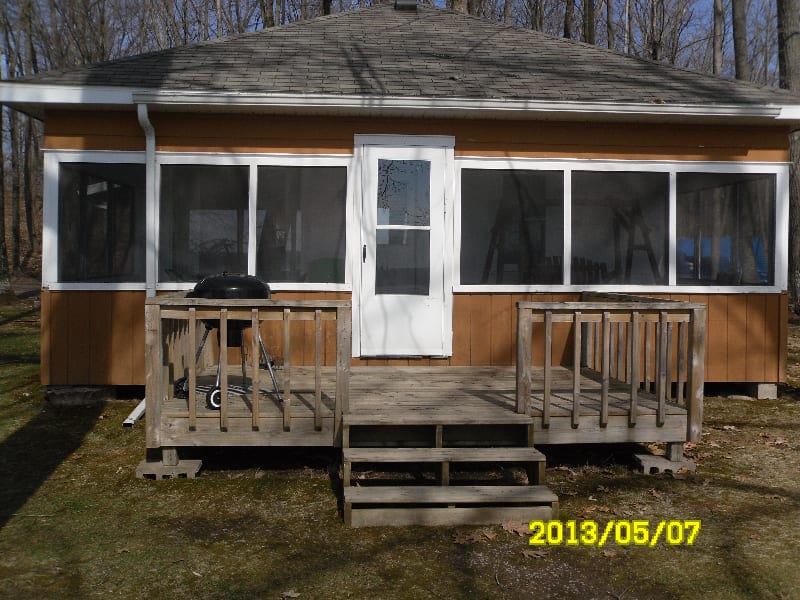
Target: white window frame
672, 168
253, 161
50, 233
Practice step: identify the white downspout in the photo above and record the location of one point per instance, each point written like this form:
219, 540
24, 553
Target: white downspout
151, 216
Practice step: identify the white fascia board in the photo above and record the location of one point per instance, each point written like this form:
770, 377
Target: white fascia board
34, 93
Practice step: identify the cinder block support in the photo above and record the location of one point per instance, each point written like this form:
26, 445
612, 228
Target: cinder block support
763, 391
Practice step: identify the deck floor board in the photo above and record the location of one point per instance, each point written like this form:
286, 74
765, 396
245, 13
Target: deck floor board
468, 395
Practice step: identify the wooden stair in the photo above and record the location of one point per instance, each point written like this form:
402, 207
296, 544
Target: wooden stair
440, 440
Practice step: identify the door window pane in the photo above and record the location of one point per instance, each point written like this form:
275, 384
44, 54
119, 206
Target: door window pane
301, 224
619, 228
404, 195
726, 229
203, 225
512, 226
101, 229
403, 262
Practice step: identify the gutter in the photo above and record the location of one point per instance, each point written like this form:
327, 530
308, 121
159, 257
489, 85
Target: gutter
34, 97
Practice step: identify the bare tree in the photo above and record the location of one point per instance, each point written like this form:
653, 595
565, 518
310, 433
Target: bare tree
740, 52
588, 22
718, 36
569, 18
788, 12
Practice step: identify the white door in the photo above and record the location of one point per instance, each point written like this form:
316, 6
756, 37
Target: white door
406, 301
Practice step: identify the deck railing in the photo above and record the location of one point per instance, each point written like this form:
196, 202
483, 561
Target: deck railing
174, 325
642, 343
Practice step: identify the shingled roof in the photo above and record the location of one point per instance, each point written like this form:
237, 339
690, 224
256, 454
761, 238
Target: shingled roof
427, 53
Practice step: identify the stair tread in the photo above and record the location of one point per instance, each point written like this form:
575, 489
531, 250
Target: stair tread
400, 455
443, 494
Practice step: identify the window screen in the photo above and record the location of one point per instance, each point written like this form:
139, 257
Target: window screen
301, 224
726, 229
512, 227
619, 228
203, 226
101, 229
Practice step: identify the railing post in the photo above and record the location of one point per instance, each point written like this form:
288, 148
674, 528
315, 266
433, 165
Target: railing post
343, 334
154, 390
524, 335
697, 350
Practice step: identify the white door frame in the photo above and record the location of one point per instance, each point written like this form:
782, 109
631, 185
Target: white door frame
355, 239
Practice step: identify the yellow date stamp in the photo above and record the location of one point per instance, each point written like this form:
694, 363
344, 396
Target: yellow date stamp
621, 532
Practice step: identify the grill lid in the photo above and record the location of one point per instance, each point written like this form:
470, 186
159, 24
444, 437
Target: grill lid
231, 286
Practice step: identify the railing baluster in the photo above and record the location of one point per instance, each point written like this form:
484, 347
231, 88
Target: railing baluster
668, 369
191, 351
634, 358
287, 374
605, 375
223, 368
576, 371
648, 356
680, 389
318, 369
620, 352
255, 351
661, 374
548, 363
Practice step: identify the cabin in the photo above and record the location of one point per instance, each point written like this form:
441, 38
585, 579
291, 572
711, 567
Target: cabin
479, 240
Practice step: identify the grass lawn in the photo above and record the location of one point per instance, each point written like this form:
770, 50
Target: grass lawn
76, 523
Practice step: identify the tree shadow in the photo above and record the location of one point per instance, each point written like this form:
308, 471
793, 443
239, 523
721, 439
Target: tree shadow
30, 455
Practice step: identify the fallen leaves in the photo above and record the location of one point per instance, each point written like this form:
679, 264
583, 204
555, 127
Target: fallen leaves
521, 528
540, 553
290, 594
463, 536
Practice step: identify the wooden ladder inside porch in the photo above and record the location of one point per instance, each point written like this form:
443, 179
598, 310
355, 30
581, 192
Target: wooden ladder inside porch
442, 439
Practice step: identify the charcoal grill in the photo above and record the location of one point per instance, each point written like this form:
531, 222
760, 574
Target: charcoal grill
230, 286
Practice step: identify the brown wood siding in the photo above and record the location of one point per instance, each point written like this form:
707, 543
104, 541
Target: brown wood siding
97, 338
92, 338
85, 130
490, 138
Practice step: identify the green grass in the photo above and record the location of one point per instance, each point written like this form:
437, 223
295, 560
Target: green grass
76, 523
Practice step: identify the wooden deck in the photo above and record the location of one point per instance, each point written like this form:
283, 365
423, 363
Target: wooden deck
410, 396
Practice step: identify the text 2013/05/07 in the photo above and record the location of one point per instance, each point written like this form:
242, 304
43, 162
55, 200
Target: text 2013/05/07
620, 532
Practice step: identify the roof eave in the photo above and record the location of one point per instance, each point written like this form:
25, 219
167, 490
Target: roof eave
35, 98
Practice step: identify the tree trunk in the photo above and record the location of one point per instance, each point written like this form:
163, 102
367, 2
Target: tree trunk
789, 66
610, 24
4, 270
718, 30
569, 16
740, 53
537, 14
588, 21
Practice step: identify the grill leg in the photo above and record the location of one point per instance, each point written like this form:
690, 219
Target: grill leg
268, 360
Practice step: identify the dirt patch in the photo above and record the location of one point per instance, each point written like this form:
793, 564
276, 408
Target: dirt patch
77, 523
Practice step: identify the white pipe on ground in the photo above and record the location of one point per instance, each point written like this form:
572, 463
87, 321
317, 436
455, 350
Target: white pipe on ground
135, 415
